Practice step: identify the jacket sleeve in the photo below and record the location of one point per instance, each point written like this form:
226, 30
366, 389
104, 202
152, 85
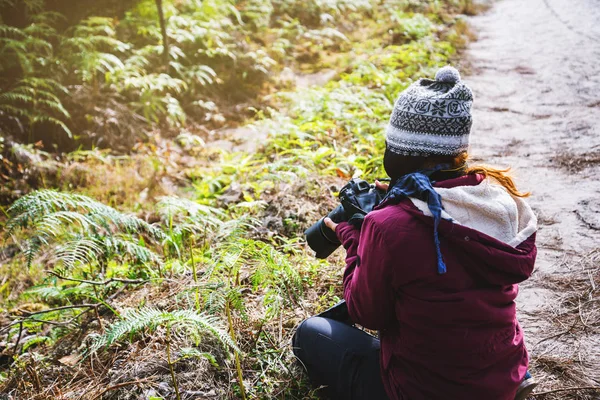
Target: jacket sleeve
368, 287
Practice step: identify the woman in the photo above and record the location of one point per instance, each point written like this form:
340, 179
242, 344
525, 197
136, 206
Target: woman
434, 269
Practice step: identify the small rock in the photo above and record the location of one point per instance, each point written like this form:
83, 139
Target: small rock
164, 388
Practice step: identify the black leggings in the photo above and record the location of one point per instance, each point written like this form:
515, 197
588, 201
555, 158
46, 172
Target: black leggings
340, 357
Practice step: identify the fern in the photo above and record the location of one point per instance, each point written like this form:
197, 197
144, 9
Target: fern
191, 352
138, 252
81, 250
90, 46
178, 208
86, 231
188, 322
258, 12
35, 100
35, 341
34, 207
61, 293
24, 47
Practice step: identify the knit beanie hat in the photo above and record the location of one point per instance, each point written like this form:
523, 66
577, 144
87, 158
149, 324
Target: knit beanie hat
432, 117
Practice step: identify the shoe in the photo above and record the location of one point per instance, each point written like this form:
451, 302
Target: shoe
525, 388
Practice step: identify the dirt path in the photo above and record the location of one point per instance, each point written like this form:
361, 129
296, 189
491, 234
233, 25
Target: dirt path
536, 78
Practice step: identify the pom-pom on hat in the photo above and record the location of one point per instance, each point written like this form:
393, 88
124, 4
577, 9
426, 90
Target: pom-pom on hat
432, 117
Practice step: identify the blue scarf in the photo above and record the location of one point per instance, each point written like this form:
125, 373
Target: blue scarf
418, 185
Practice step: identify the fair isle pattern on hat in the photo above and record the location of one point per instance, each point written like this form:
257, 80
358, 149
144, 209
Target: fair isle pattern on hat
432, 117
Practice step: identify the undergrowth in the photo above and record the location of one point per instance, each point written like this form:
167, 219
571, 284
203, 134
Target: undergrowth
198, 295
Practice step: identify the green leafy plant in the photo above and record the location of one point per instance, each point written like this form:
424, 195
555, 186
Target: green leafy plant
33, 102
412, 27
83, 231
187, 322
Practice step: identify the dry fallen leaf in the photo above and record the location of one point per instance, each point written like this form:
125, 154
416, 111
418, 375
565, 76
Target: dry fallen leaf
70, 360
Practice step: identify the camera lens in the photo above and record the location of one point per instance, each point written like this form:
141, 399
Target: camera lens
321, 239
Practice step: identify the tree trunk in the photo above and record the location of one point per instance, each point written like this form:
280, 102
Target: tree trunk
163, 29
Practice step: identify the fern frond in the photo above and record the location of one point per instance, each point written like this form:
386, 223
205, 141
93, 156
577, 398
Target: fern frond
53, 121
56, 215
215, 301
131, 224
15, 49
32, 207
34, 100
32, 247
53, 106
236, 228
35, 205
33, 6
38, 93
148, 318
172, 207
108, 62
39, 45
40, 30
15, 97
175, 114
44, 83
46, 292
50, 224
7, 31
81, 250
202, 74
139, 253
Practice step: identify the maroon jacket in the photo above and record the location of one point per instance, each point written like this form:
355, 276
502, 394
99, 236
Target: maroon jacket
451, 336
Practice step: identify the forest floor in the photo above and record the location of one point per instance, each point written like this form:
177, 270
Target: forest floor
536, 81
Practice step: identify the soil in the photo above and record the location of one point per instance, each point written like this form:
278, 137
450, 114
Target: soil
535, 75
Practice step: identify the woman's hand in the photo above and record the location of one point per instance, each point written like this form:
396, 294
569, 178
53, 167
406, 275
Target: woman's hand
330, 224
381, 186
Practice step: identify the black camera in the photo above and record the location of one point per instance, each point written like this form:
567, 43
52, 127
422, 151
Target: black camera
358, 198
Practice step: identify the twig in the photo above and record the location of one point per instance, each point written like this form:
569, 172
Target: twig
18, 337
238, 365
586, 222
116, 293
101, 283
120, 385
29, 314
581, 316
566, 390
99, 319
556, 335
64, 323
171, 370
195, 275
